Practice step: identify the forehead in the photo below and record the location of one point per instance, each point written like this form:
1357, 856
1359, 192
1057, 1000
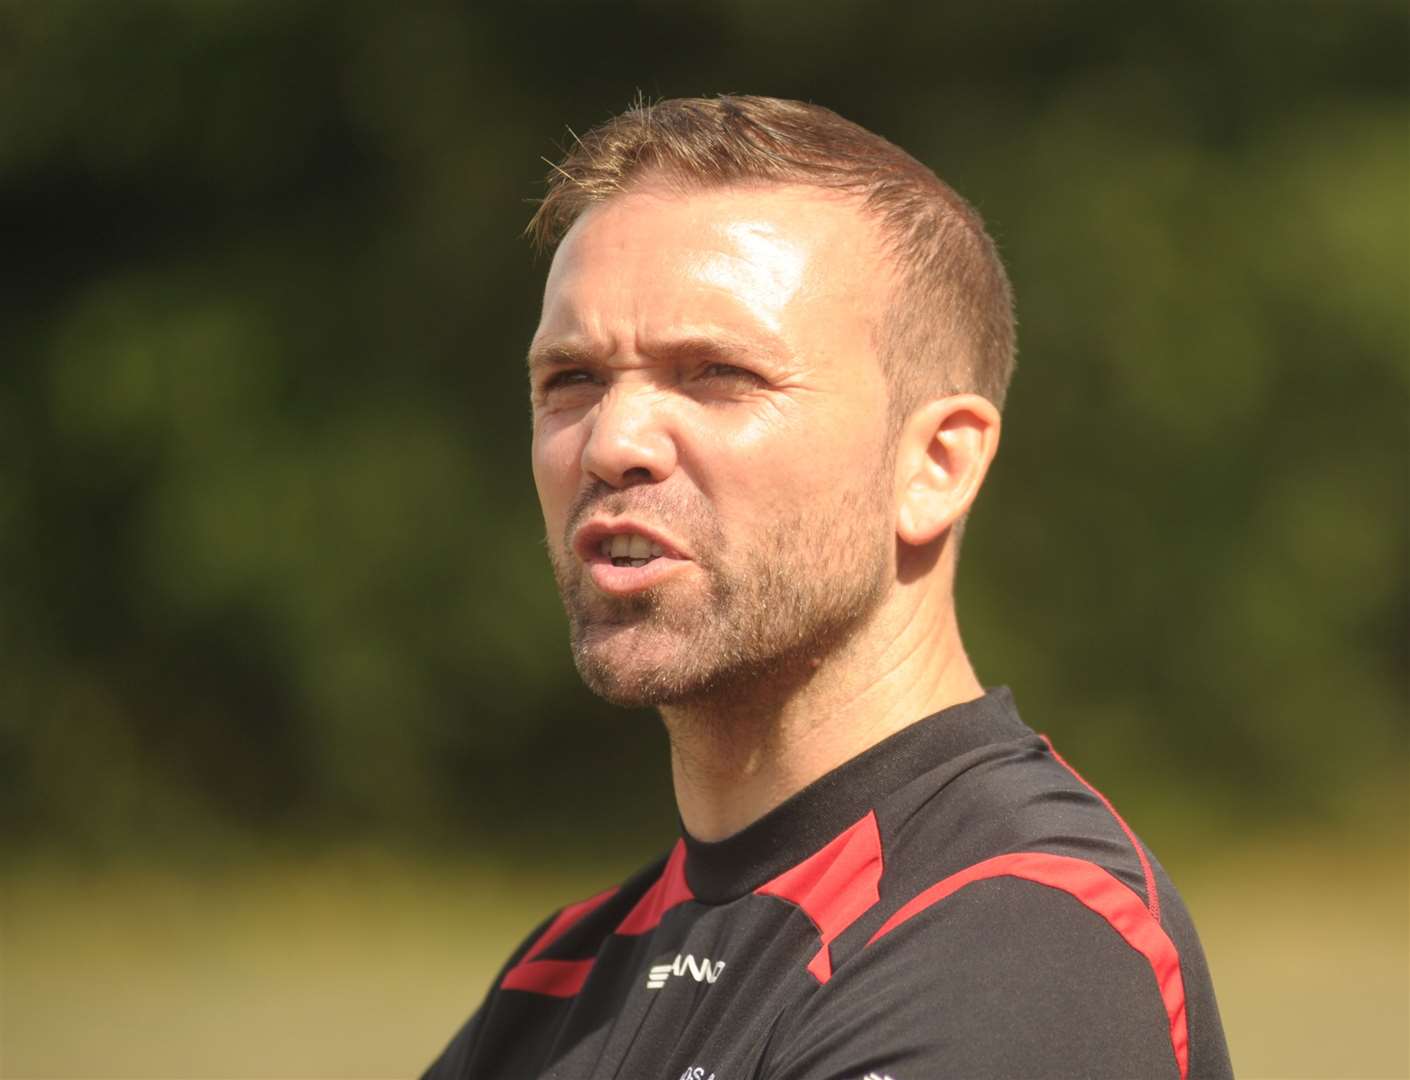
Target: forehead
755, 258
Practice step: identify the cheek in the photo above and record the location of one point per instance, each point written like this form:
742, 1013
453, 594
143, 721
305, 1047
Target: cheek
783, 464
556, 454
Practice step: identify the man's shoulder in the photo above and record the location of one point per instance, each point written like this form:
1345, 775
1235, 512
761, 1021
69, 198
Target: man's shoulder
1018, 916
1002, 975
1007, 805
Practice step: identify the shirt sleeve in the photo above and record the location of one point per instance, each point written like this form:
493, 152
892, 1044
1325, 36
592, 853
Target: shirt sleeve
1004, 978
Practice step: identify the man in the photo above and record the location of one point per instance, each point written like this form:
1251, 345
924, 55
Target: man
766, 389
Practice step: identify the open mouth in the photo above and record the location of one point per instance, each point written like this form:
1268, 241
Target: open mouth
623, 557
630, 549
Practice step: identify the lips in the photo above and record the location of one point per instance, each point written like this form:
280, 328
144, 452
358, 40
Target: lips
639, 539
625, 556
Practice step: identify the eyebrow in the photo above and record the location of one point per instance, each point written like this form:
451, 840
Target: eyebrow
560, 354
688, 348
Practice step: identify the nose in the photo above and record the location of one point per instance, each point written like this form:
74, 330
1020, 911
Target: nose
630, 442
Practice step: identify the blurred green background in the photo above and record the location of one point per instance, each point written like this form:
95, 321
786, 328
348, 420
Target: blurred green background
291, 747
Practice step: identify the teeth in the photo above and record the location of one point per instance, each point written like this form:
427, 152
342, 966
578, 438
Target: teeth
630, 546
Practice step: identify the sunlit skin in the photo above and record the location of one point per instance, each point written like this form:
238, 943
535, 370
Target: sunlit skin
704, 374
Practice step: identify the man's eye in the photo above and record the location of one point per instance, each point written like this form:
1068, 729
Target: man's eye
729, 373
561, 380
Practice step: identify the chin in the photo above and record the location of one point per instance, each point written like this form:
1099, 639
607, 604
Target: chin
632, 670
621, 664
631, 686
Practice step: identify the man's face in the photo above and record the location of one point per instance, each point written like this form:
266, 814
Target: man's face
710, 439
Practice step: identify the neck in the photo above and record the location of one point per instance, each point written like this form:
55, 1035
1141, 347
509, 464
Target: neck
736, 756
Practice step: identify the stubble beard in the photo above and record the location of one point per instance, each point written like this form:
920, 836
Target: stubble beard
767, 616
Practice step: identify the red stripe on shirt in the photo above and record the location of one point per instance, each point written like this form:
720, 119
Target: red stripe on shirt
834, 886
1152, 897
1101, 893
558, 978
666, 892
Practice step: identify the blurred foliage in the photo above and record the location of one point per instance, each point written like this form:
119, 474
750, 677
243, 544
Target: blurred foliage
269, 549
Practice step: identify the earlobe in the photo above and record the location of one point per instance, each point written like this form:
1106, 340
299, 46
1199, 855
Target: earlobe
942, 457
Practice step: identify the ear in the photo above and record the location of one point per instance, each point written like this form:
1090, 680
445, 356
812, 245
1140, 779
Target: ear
941, 459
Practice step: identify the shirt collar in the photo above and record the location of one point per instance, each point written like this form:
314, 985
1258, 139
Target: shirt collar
724, 870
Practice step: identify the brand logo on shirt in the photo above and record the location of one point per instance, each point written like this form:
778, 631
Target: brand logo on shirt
701, 970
